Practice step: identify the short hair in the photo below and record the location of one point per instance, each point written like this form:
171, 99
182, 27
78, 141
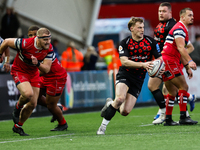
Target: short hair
167, 4
133, 21
33, 28
183, 11
197, 35
42, 31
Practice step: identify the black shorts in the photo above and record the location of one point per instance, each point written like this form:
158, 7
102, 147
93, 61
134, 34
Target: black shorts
134, 83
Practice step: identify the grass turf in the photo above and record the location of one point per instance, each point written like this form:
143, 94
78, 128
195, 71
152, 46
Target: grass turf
134, 132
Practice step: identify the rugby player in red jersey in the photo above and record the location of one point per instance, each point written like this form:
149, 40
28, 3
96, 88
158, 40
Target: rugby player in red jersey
25, 73
52, 83
173, 52
160, 34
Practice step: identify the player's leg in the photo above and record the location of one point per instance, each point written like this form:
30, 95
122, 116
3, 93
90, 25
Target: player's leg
183, 95
172, 89
110, 109
127, 105
26, 91
26, 112
153, 86
57, 112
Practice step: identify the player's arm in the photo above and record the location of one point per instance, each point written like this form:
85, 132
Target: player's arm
190, 48
180, 42
43, 67
132, 64
10, 42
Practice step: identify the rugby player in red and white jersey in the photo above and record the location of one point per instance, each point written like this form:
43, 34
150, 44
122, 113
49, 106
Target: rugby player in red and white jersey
173, 51
52, 84
25, 73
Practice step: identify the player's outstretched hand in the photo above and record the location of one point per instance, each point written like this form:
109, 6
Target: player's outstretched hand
193, 65
148, 65
189, 72
6, 66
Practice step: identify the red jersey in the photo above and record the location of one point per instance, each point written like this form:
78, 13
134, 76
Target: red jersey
56, 71
26, 48
170, 49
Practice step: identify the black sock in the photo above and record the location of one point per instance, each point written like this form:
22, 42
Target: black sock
182, 115
157, 94
110, 112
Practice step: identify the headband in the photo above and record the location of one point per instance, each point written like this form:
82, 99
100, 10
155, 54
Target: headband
42, 37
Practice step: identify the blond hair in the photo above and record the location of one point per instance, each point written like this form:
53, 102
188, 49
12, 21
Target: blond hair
133, 21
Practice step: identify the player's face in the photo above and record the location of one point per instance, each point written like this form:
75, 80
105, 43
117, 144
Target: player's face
164, 13
189, 17
44, 43
32, 33
138, 30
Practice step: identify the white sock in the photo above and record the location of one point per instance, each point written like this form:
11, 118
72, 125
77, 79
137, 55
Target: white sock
190, 97
105, 122
187, 114
162, 111
159, 111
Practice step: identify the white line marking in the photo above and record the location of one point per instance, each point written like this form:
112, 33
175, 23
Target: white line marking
146, 125
36, 138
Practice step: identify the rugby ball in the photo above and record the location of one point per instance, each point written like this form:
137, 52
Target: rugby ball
158, 65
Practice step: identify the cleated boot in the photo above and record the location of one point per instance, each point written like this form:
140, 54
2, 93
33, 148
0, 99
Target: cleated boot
159, 120
20, 131
187, 121
101, 130
60, 127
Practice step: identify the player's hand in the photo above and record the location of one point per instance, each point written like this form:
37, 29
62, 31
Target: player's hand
189, 72
193, 65
6, 66
162, 71
148, 65
34, 60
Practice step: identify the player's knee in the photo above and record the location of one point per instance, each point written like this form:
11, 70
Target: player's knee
125, 113
119, 100
28, 94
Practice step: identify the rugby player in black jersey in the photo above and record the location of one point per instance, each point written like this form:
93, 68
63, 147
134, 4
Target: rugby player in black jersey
135, 52
160, 33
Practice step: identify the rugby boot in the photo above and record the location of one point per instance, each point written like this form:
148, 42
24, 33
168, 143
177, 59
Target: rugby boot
60, 127
192, 102
187, 121
101, 130
169, 121
20, 131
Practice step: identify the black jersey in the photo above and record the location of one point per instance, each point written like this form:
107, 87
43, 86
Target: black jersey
138, 51
162, 30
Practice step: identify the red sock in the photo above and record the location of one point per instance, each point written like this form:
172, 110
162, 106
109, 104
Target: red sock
62, 122
19, 125
182, 96
18, 106
169, 104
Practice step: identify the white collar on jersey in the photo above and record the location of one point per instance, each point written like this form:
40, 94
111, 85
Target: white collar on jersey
184, 25
36, 44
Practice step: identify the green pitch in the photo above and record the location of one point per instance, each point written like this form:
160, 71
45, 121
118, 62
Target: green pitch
134, 132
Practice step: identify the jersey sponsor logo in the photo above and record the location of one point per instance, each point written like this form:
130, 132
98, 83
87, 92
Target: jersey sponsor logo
121, 51
24, 43
158, 48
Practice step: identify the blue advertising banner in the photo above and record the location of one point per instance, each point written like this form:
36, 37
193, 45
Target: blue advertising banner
87, 89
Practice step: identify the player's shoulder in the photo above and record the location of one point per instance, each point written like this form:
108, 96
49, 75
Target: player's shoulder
150, 39
126, 40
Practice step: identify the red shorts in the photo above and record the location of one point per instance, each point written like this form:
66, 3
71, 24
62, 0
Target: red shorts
33, 79
172, 70
53, 87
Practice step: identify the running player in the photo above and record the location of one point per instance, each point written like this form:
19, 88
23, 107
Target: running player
173, 52
135, 53
160, 33
25, 73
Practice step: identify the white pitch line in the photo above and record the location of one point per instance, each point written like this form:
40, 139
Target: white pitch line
30, 139
146, 125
